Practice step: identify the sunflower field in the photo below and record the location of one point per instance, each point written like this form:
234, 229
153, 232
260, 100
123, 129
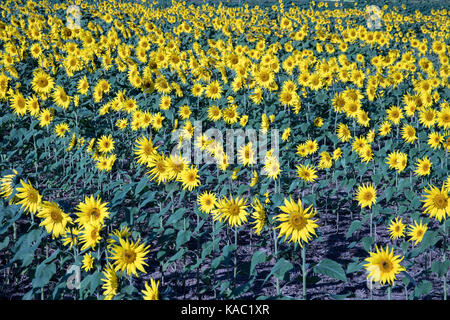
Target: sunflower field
224, 150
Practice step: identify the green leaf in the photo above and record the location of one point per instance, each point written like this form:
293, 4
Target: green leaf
258, 257
280, 269
355, 225
183, 237
4, 243
354, 266
177, 215
423, 288
367, 243
43, 274
331, 268
440, 268
140, 186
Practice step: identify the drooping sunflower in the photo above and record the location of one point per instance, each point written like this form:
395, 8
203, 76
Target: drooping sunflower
55, 219
92, 211
7, 184
231, 210
151, 292
343, 132
88, 262
259, 216
158, 168
383, 266
437, 202
111, 282
18, 104
61, 98
246, 155
45, 118
435, 139
272, 167
366, 195
30, 199
409, 133
296, 221
129, 256
144, 150
90, 236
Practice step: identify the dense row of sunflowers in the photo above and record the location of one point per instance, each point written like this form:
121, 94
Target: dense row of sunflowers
88, 110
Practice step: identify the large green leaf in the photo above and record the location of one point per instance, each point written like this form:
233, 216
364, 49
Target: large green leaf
331, 268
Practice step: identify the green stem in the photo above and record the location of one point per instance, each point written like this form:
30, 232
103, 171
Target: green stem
275, 241
304, 272
389, 292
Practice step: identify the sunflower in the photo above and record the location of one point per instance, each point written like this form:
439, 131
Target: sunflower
30, 197
394, 114
19, 104
61, 129
214, 113
151, 292
230, 114
70, 237
111, 282
427, 117
144, 150
92, 211
359, 144
435, 139
246, 155
443, 118
7, 184
213, 90
437, 202
396, 227
385, 128
189, 178
343, 132
32, 104
307, 173
157, 120
55, 220
417, 231
311, 146
272, 167
409, 133
88, 262
296, 221
61, 98
366, 195
259, 216
423, 167
129, 256
158, 168
42, 82
231, 210
90, 236
383, 266
264, 77
105, 144
207, 201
